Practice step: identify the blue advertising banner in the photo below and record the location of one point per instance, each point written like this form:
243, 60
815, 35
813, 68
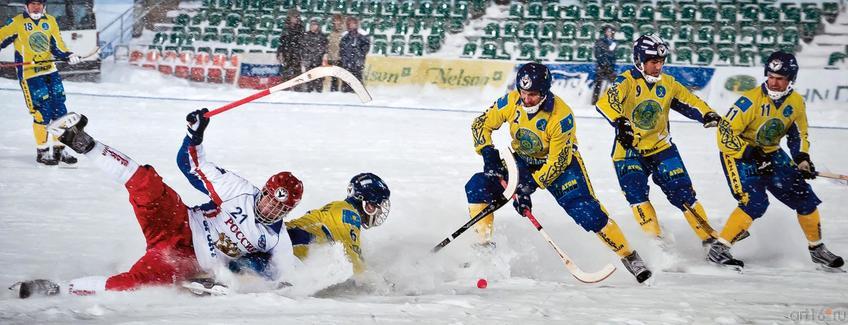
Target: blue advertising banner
694, 78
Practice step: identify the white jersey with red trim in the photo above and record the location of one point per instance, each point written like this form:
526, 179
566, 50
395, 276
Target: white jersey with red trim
226, 228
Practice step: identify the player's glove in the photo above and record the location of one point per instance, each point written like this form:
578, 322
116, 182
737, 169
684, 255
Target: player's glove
522, 202
197, 122
526, 186
624, 132
805, 165
711, 119
492, 164
74, 59
762, 160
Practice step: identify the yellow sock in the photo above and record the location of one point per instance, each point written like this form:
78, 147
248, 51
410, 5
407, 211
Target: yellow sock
698, 221
738, 222
40, 132
811, 225
485, 227
646, 217
612, 236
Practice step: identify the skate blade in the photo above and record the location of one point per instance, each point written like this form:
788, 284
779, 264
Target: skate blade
829, 269
199, 290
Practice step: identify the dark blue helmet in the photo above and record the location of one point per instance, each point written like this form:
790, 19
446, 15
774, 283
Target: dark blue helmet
782, 63
31, 1
647, 47
533, 76
372, 194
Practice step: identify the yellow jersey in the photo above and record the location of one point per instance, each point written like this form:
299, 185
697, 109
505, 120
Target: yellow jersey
336, 222
34, 40
756, 120
545, 138
647, 107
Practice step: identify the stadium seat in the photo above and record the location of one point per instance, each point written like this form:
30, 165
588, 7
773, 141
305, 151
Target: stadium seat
705, 56
434, 42
527, 51
490, 51
530, 30
355, 8
591, 12
646, 14
545, 50
767, 36
568, 31
565, 53
726, 55
570, 12
469, 50
416, 46
727, 35
182, 19
380, 45
791, 14
706, 35
747, 35
666, 32
460, 10
584, 53
628, 31
645, 29
510, 30
745, 56
425, 9
548, 31
684, 33
750, 14
682, 55
610, 12
727, 14
534, 11
233, 20
666, 12
587, 32
687, 13
552, 11
443, 10
707, 13
516, 10
373, 8
627, 13
770, 14
623, 54
789, 36
811, 14
390, 9
836, 58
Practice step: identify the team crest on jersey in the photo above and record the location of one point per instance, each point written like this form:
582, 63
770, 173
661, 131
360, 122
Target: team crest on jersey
525, 82
646, 115
45, 26
261, 242
542, 124
660, 91
281, 194
787, 112
227, 246
770, 132
529, 142
39, 42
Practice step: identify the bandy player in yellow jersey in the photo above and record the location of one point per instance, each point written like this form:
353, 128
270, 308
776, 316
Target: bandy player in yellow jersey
638, 104
36, 37
543, 136
367, 205
749, 140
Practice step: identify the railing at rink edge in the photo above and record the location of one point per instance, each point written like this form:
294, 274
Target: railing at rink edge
300, 104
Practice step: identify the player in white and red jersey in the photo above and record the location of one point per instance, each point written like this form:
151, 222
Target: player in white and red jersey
183, 241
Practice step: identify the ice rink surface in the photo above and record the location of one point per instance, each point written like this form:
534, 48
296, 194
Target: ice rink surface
62, 223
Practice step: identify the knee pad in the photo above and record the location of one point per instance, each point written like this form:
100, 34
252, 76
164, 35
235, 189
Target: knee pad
635, 187
482, 189
586, 212
756, 205
680, 193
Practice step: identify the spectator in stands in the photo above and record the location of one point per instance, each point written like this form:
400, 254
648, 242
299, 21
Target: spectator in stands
352, 49
314, 51
604, 60
333, 41
291, 45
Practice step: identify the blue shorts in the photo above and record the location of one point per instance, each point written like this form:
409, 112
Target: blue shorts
45, 97
665, 168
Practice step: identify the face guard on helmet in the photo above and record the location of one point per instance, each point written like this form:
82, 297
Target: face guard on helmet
37, 15
646, 47
534, 77
372, 194
784, 64
281, 194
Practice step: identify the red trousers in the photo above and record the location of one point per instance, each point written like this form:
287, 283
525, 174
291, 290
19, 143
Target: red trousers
163, 218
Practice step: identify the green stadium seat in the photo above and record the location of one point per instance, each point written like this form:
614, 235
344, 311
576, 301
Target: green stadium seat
434, 42
214, 18
809, 30
416, 47
534, 10
160, 37
355, 8
811, 15
417, 26
244, 39
837, 58
321, 7
516, 10
373, 8
460, 10
687, 13
587, 32
666, 12
726, 55
398, 45
727, 14
510, 30
705, 56
645, 29
666, 32
548, 33
707, 13
274, 43
249, 20
584, 53
745, 56
628, 30
591, 12
767, 36
425, 9
750, 14
490, 51
382, 26
770, 14
260, 39
685, 33
791, 14
232, 20
195, 32
627, 12
530, 30
390, 9
568, 31
210, 34
565, 53
570, 12
546, 49
401, 26
266, 22
789, 36
646, 14
764, 53
380, 44
623, 54
182, 19
706, 35
727, 35
443, 9
552, 11
469, 50
526, 52
682, 55
198, 18
610, 12
339, 7
456, 25
830, 9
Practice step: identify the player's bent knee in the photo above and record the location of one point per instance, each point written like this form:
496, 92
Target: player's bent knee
680, 196
145, 186
755, 207
482, 189
587, 213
